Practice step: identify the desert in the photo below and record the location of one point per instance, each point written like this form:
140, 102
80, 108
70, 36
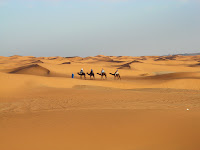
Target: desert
154, 106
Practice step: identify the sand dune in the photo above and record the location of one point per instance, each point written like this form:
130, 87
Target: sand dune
180, 75
195, 65
32, 70
66, 63
38, 61
128, 65
154, 106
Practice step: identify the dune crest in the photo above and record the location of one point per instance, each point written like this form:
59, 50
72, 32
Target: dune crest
34, 69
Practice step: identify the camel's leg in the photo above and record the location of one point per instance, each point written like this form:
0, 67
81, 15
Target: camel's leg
119, 77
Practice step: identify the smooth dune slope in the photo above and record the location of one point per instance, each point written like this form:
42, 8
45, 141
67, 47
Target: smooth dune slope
34, 69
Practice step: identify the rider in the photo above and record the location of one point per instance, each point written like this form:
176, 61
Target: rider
91, 72
81, 72
102, 71
116, 72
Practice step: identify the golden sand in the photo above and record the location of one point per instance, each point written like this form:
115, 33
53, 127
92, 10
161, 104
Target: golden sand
155, 105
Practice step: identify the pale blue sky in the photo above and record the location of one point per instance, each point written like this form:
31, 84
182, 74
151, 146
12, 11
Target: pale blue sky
92, 27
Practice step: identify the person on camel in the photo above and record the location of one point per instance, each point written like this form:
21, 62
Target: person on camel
102, 71
91, 72
116, 75
81, 72
116, 72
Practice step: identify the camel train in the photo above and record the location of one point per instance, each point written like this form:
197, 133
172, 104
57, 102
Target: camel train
102, 74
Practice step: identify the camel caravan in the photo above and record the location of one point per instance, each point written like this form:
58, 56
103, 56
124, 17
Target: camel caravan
102, 74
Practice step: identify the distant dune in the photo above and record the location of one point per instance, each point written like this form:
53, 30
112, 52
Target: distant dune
189, 54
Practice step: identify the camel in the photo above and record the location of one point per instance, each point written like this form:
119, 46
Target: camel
91, 75
116, 76
81, 74
102, 74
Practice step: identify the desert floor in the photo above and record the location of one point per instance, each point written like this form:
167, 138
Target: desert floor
155, 105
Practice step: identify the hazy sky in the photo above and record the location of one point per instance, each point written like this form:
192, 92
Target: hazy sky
92, 27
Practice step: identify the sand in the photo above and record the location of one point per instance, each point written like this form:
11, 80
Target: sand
154, 106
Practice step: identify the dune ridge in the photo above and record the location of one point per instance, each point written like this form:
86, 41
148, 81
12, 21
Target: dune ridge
34, 69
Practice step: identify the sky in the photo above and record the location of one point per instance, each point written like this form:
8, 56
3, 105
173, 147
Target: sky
99, 27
